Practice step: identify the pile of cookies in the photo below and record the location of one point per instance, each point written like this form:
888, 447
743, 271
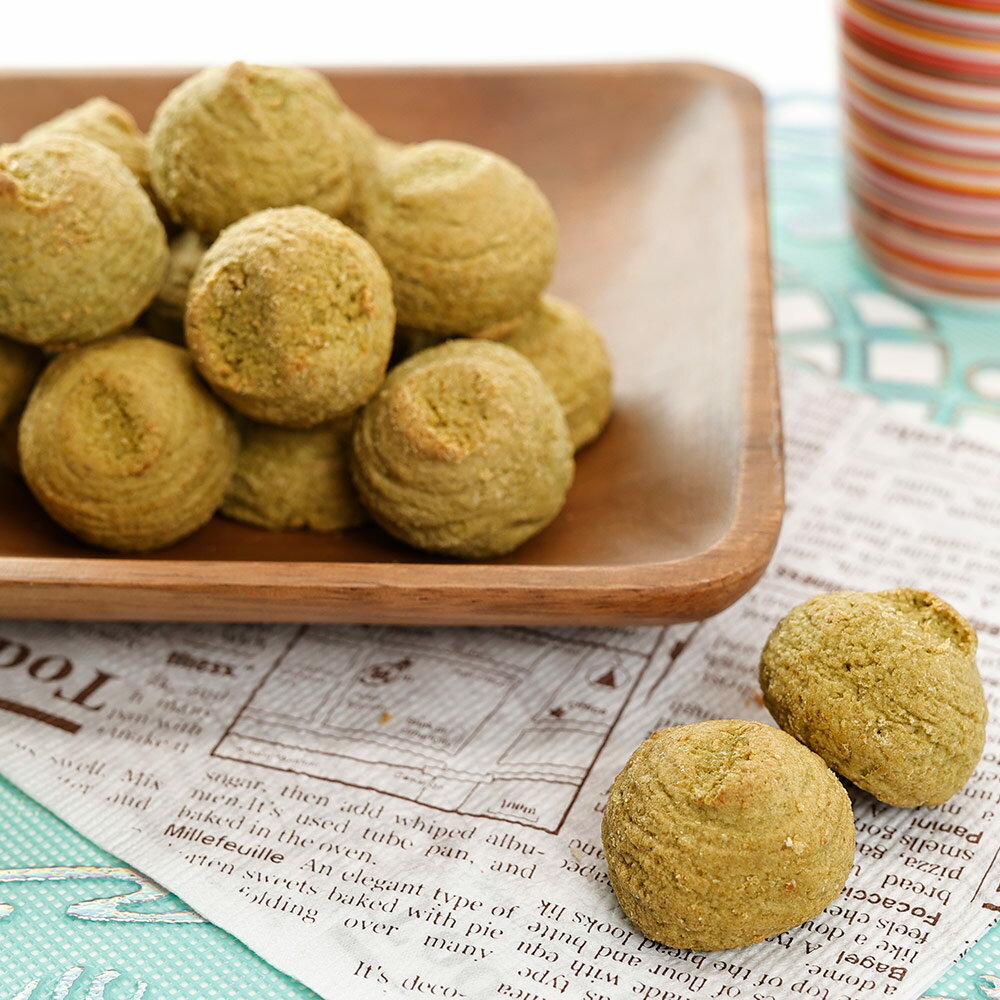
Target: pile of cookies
308, 255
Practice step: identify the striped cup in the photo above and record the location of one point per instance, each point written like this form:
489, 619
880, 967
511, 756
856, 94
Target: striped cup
921, 97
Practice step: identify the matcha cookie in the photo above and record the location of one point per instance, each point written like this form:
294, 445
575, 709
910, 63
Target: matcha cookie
469, 240
19, 367
82, 252
363, 146
108, 124
290, 317
884, 687
165, 316
464, 451
719, 834
373, 153
230, 141
287, 479
124, 446
570, 355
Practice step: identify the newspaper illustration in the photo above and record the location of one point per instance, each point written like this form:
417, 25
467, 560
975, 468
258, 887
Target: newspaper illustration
514, 738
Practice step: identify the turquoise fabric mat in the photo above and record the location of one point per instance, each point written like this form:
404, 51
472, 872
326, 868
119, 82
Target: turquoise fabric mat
835, 316
49, 954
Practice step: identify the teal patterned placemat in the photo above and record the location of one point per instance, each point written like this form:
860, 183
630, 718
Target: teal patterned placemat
48, 952
835, 316
833, 313
975, 976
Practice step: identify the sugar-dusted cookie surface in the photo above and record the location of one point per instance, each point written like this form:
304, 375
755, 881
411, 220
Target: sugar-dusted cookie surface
290, 317
720, 834
124, 446
82, 251
464, 451
884, 687
570, 355
288, 479
230, 141
468, 237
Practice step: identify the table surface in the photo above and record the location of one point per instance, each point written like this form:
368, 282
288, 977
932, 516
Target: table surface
833, 314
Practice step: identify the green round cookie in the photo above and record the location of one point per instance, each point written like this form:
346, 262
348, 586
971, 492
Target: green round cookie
82, 252
719, 834
165, 316
290, 317
230, 141
364, 146
464, 451
570, 355
106, 123
469, 239
19, 368
123, 445
288, 479
884, 687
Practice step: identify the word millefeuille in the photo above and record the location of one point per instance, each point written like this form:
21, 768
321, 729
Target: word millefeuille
104, 909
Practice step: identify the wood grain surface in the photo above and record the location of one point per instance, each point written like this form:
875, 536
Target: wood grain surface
656, 175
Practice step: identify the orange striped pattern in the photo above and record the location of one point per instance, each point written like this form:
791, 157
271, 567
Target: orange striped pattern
921, 97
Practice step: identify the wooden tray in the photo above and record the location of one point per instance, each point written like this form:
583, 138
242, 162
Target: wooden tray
657, 178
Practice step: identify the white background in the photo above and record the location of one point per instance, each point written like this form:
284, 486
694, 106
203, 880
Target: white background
785, 45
